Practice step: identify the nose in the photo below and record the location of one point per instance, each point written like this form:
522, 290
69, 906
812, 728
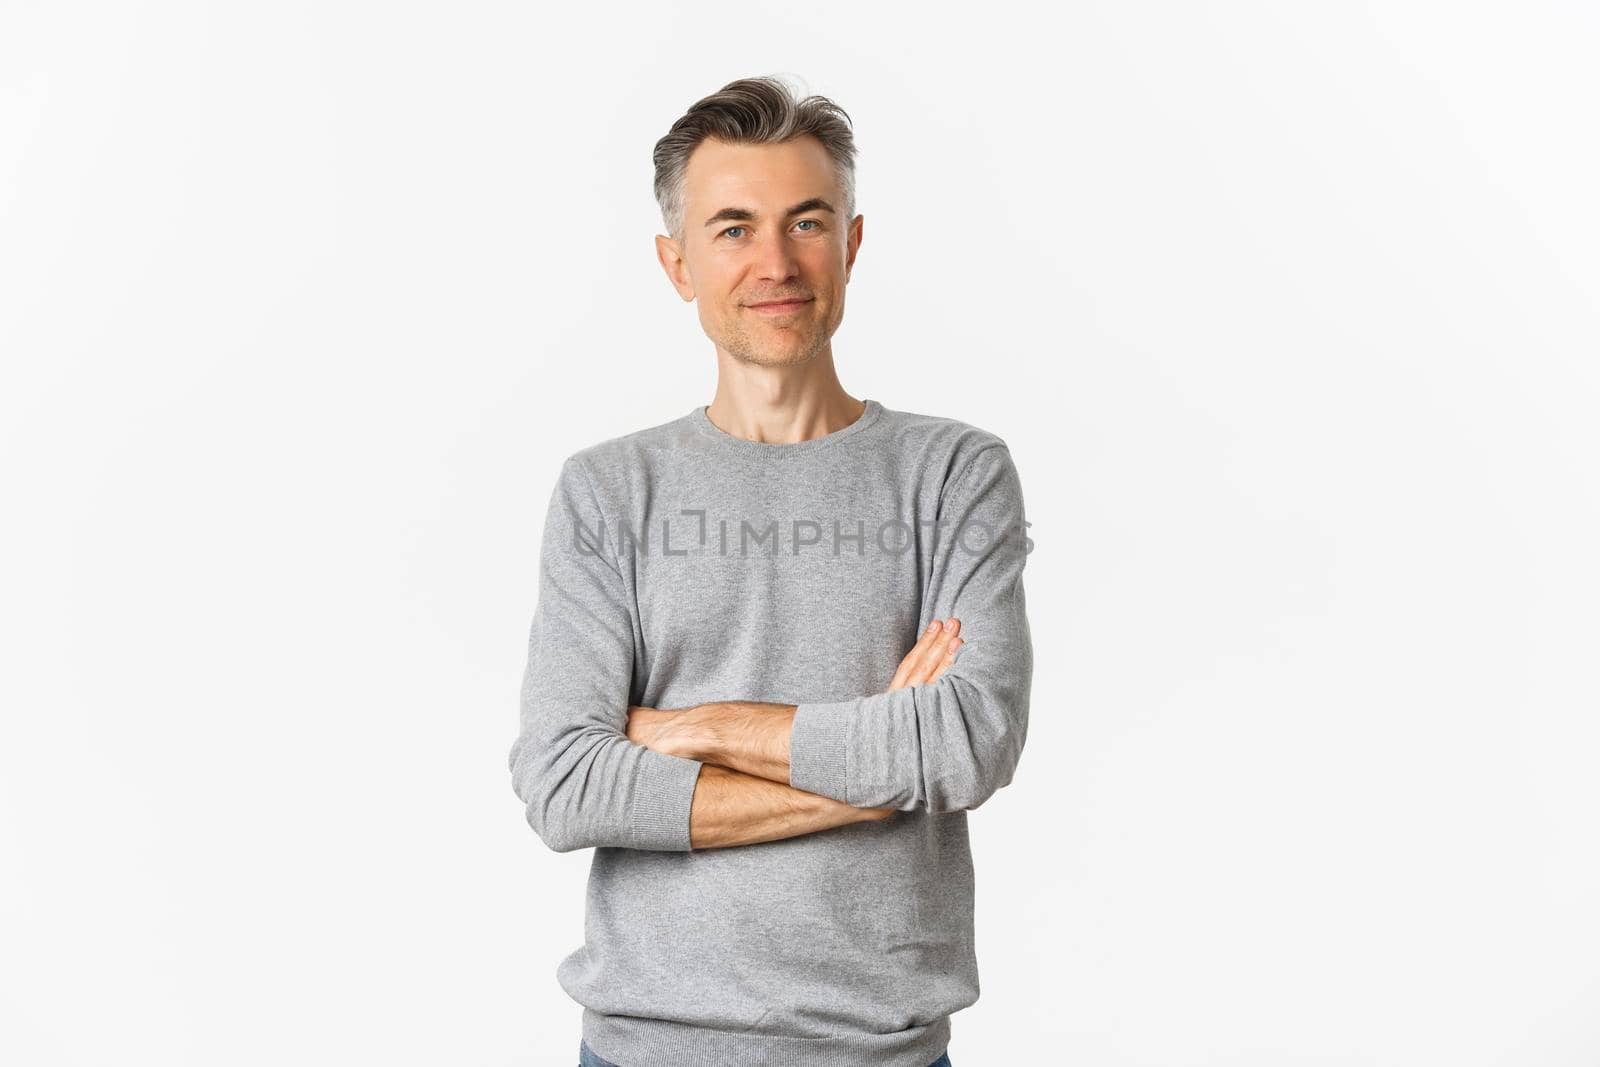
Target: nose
775, 260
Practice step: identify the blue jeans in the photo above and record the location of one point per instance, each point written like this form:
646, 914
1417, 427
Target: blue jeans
587, 1058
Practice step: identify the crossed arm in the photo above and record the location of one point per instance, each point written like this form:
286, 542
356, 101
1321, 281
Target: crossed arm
743, 795
591, 774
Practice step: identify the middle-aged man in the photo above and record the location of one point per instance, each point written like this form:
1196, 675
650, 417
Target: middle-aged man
719, 697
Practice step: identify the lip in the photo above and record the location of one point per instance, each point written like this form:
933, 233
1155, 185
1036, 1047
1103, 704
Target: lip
783, 308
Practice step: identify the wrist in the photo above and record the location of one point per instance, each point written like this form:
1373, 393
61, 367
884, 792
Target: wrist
702, 740
747, 736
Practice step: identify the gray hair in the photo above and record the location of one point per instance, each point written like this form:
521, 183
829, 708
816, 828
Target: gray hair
760, 110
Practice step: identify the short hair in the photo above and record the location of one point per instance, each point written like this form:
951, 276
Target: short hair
759, 110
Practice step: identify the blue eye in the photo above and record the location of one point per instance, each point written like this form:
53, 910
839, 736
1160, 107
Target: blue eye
815, 226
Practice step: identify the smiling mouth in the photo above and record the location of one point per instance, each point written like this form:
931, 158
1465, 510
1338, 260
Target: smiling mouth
781, 308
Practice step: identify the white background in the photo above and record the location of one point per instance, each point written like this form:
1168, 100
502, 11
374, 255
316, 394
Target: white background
1288, 312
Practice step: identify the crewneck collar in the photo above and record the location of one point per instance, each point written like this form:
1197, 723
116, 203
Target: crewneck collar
726, 440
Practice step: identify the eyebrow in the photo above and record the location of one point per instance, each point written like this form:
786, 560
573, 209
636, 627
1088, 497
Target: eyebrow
744, 214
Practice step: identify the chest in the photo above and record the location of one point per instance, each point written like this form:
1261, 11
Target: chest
806, 591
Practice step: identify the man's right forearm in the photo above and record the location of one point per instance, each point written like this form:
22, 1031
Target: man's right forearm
734, 808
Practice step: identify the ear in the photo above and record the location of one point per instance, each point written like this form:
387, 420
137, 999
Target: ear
852, 244
669, 253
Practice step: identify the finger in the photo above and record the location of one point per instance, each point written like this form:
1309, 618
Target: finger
917, 661
949, 658
927, 652
933, 654
902, 675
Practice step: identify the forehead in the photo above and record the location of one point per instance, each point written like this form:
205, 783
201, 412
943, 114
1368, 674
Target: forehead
760, 177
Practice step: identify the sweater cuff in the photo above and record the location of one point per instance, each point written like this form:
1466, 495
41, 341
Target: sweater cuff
818, 746
662, 800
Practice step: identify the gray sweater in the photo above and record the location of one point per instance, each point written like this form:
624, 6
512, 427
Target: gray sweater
682, 565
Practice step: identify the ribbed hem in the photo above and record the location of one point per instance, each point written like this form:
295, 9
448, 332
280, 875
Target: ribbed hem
663, 794
818, 748
636, 1041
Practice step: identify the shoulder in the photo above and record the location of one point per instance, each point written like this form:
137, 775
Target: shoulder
952, 448
625, 456
949, 434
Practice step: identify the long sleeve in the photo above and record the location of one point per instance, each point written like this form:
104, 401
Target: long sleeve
584, 784
950, 745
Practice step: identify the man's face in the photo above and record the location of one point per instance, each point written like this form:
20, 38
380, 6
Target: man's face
761, 223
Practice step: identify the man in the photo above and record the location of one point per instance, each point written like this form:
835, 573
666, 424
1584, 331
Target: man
719, 697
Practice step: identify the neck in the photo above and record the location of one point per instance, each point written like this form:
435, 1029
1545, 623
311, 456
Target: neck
782, 405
